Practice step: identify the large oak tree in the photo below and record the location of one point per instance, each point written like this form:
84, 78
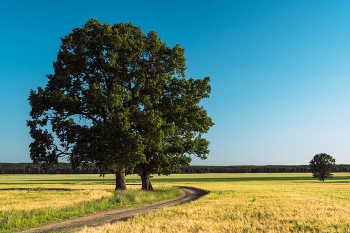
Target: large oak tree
119, 98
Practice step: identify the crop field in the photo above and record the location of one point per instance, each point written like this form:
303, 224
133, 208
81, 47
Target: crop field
265, 202
292, 202
35, 200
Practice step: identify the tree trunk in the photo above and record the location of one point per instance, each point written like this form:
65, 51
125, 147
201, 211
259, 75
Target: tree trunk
120, 179
146, 177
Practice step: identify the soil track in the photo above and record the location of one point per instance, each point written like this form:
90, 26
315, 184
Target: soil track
111, 216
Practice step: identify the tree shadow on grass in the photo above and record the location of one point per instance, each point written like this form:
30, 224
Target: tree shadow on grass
338, 179
231, 179
39, 189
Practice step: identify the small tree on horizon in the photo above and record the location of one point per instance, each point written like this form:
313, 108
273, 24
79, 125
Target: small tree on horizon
321, 166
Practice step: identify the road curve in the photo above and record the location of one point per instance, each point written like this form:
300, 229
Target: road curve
188, 194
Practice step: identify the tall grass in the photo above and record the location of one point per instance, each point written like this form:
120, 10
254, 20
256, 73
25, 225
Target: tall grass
16, 219
28, 198
251, 203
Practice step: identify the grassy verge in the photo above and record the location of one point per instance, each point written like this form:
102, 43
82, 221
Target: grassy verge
14, 220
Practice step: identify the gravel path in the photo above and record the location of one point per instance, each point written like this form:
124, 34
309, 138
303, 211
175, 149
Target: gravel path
111, 216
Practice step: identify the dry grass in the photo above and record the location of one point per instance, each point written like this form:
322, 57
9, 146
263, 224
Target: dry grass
34, 196
36, 199
252, 205
27, 192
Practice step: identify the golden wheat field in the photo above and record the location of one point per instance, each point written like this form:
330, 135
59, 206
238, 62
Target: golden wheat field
250, 203
21, 192
290, 202
27, 192
28, 201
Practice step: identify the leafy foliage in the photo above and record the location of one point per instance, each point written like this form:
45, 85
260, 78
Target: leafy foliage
119, 98
65, 168
321, 166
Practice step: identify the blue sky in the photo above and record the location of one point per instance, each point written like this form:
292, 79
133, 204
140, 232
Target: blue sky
280, 70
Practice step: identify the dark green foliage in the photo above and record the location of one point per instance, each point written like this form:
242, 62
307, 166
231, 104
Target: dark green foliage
65, 168
60, 168
321, 166
119, 99
250, 169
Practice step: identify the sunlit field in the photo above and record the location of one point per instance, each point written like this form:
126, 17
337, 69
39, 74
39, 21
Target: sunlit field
35, 200
292, 202
246, 202
26, 192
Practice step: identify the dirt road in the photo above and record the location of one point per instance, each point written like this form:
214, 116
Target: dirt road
111, 216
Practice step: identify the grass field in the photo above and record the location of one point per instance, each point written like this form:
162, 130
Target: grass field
35, 200
292, 202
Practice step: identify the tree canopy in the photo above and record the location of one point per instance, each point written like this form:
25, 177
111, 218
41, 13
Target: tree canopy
119, 98
321, 166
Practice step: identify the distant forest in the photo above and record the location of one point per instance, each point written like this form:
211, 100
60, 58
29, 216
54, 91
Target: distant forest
64, 168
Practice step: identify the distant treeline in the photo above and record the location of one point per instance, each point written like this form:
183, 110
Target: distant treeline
258, 169
60, 168
64, 168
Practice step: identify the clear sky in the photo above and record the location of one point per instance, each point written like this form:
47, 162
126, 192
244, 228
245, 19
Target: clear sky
280, 70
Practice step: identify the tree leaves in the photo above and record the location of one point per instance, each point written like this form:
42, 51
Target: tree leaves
119, 98
322, 165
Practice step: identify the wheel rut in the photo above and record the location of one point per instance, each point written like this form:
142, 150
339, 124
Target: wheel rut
115, 215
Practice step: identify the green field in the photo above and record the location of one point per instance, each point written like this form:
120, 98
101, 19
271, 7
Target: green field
247, 202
